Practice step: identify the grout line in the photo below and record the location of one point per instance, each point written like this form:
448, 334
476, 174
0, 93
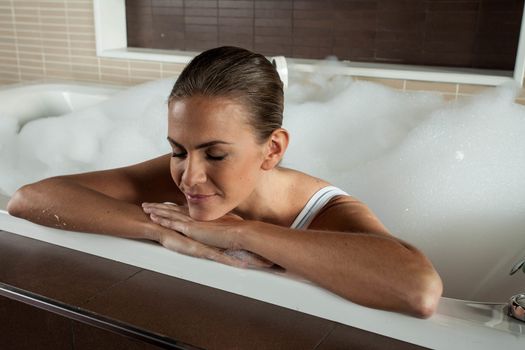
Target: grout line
457, 91
85, 302
68, 38
324, 337
13, 23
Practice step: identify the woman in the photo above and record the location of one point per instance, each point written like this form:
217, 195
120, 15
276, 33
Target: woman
228, 195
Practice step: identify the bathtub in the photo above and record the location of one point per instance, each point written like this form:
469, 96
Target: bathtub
457, 324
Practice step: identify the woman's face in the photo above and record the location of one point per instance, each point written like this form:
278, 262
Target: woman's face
216, 158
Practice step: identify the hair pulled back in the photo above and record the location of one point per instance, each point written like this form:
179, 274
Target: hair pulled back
234, 72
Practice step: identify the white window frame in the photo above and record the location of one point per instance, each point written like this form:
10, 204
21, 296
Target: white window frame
111, 41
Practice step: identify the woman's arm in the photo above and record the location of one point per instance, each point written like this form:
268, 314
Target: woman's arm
346, 250
98, 202
107, 202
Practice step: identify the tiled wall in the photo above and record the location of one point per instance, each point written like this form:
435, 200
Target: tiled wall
461, 33
55, 39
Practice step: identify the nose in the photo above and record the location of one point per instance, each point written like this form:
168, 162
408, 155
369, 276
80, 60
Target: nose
194, 172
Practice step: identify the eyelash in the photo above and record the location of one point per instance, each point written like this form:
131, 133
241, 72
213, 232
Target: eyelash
183, 155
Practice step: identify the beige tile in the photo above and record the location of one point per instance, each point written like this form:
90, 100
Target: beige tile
54, 42
64, 66
143, 74
62, 74
8, 53
79, 13
137, 81
79, 68
80, 5
470, 89
9, 33
6, 26
8, 74
114, 79
25, 19
32, 26
8, 79
82, 37
30, 56
84, 60
393, 83
31, 70
53, 28
83, 44
29, 48
414, 85
449, 97
79, 76
30, 34
32, 12
144, 65
6, 19
114, 62
520, 101
8, 41
81, 29
28, 65
21, 3
175, 67
81, 21
53, 4
55, 14
56, 36
8, 61
64, 51
85, 52
114, 71
57, 58
7, 47
170, 74
5, 11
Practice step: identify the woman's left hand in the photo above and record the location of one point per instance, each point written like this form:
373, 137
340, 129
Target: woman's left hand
220, 233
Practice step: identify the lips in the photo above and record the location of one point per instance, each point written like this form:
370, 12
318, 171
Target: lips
198, 197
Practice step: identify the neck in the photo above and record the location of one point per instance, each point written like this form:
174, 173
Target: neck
270, 201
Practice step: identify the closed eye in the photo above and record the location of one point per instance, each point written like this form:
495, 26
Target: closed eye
179, 155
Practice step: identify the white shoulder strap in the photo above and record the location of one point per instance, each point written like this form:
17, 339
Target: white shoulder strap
315, 204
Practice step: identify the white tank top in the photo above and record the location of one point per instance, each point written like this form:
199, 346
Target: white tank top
315, 204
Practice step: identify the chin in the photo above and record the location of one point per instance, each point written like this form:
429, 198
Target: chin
205, 215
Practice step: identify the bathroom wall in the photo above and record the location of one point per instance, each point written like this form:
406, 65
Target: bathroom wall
55, 39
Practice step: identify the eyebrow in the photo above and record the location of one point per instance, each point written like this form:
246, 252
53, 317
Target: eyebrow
202, 145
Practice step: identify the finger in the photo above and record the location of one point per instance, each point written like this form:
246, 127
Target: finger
203, 251
172, 224
168, 213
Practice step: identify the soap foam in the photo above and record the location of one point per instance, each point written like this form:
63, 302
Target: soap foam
446, 176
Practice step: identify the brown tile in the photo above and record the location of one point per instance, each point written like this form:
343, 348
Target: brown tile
56, 272
346, 338
89, 338
24, 327
207, 317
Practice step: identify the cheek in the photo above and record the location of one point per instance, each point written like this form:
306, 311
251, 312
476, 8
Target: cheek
175, 171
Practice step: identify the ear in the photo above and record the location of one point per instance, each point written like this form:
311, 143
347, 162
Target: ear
275, 148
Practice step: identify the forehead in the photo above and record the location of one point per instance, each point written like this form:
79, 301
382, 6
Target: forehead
202, 112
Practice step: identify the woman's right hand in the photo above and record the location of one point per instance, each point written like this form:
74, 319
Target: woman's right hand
179, 243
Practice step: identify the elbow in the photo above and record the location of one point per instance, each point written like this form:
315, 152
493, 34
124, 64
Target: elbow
19, 204
425, 299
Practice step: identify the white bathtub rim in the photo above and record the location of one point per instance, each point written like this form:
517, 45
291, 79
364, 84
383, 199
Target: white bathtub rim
449, 328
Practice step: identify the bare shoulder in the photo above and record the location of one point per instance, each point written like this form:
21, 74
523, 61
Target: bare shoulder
348, 214
146, 181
